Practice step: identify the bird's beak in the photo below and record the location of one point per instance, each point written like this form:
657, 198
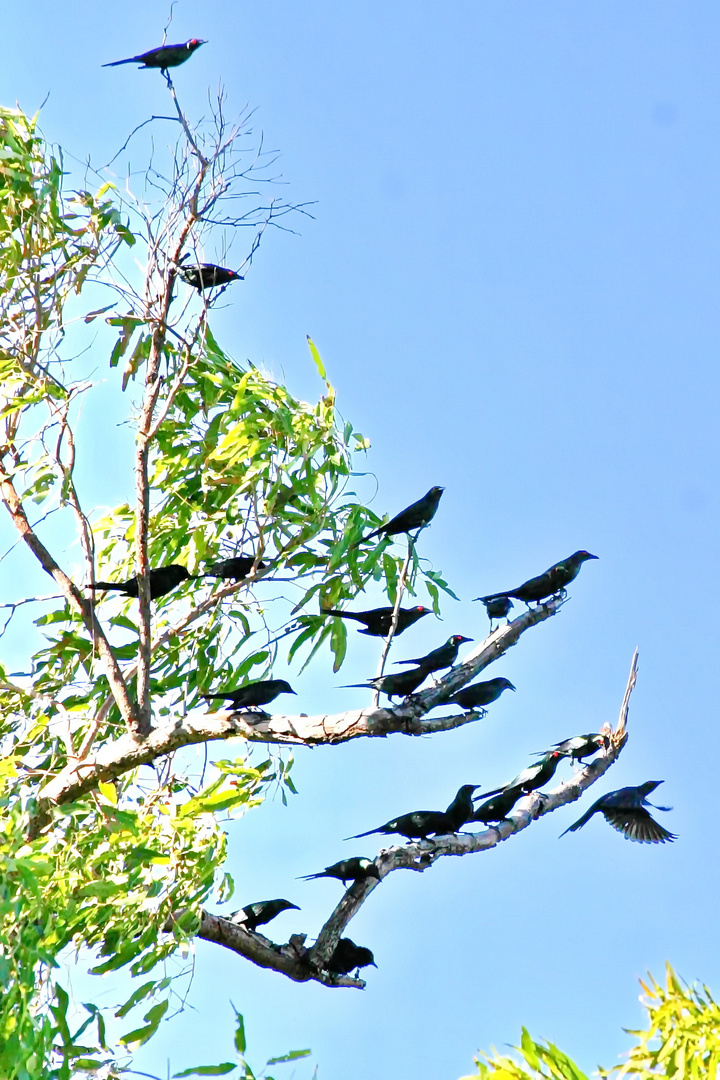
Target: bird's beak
511, 687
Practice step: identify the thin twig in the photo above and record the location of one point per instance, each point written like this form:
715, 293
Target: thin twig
395, 615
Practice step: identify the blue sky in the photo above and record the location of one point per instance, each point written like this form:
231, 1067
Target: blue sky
512, 277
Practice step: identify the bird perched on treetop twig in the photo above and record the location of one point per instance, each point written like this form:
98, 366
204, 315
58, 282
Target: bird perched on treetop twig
582, 746
163, 579
254, 694
497, 607
416, 516
203, 276
498, 807
548, 584
444, 656
355, 869
479, 694
399, 685
234, 569
263, 911
164, 57
349, 957
625, 811
379, 620
536, 775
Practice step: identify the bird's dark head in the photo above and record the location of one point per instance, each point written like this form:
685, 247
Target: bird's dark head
285, 687
369, 868
194, 43
422, 610
649, 786
602, 741
506, 684
436, 492
458, 639
236, 277
364, 957
285, 905
467, 789
582, 556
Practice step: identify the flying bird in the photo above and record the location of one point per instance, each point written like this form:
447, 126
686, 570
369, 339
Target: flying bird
255, 915
164, 57
553, 581
355, 869
416, 516
379, 620
625, 811
254, 694
163, 579
443, 657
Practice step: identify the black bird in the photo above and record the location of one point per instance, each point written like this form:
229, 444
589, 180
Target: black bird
553, 581
254, 694
625, 811
164, 57
163, 579
582, 746
348, 870
378, 620
399, 685
235, 569
440, 658
498, 807
478, 694
349, 957
416, 826
207, 275
255, 915
416, 516
497, 607
535, 775
460, 809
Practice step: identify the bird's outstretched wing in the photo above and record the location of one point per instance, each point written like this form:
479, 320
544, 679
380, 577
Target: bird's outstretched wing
638, 825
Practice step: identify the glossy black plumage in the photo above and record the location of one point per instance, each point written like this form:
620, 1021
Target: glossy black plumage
418, 825
477, 695
538, 774
498, 807
398, 685
497, 607
553, 581
583, 746
416, 516
163, 579
377, 621
234, 569
461, 808
263, 911
203, 276
355, 869
442, 657
349, 957
254, 694
164, 57
624, 809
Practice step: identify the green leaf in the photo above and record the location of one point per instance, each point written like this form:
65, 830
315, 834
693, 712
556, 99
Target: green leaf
240, 1041
208, 1070
316, 357
290, 1057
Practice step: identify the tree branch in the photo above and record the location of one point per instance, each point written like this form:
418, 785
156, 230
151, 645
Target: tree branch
115, 758
301, 964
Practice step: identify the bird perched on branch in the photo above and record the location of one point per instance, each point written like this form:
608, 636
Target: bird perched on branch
349, 957
416, 516
263, 911
497, 607
553, 581
235, 569
164, 57
421, 823
479, 694
583, 746
498, 807
355, 869
379, 620
625, 811
399, 685
207, 275
163, 579
536, 775
254, 694
443, 657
